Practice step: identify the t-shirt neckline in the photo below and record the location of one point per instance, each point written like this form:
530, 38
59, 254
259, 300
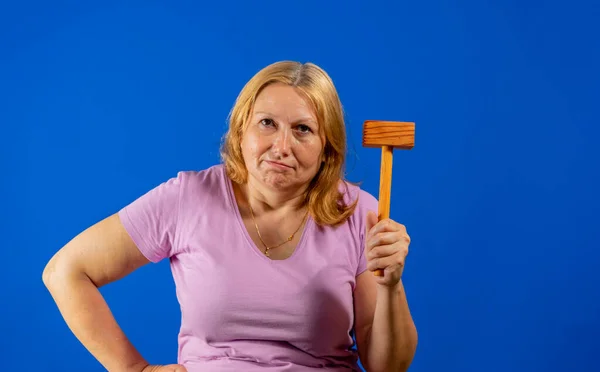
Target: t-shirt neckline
238, 216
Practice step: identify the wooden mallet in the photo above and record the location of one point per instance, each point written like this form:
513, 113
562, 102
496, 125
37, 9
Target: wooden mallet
387, 135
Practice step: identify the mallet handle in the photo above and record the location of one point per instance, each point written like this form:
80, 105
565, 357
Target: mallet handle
385, 187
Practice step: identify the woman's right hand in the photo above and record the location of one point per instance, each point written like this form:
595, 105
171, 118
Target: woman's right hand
167, 368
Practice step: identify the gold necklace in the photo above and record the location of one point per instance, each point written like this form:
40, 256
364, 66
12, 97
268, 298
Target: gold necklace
267, 248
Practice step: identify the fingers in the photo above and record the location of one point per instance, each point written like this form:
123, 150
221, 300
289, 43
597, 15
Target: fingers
380, 251
372, 220
384, 238
386, 262
384, 225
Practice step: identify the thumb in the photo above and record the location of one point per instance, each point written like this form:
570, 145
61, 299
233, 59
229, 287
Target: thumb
372, 220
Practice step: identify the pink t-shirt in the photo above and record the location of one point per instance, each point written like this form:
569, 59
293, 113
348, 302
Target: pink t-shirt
242, 311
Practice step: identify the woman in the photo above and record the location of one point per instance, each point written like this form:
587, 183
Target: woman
272, 251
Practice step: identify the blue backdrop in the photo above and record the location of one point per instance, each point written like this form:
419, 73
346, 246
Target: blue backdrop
99, 102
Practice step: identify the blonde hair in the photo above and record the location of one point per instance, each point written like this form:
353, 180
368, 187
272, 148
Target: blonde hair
323, 197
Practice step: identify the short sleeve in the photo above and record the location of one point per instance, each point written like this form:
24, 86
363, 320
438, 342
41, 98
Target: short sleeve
151, 220
366, 203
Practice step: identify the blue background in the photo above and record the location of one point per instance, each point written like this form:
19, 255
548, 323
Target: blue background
99, 102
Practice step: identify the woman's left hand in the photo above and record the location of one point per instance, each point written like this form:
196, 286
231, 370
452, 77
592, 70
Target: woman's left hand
386, 248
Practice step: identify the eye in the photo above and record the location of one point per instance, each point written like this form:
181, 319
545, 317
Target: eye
267, 122
304, 128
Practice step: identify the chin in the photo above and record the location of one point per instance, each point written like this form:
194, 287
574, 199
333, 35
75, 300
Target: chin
278, 181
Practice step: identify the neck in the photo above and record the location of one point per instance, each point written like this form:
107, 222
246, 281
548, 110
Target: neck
266, 200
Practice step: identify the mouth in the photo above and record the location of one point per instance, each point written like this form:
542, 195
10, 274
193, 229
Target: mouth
278, 164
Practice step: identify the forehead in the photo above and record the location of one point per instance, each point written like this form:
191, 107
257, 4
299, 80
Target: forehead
280, 98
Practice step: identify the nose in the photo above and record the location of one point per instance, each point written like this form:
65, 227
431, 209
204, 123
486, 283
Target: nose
282, 143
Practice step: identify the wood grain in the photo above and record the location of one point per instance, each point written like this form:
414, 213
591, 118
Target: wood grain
385, 182
385, 188
397, 134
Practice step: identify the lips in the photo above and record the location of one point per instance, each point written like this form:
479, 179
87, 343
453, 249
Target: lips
276, 163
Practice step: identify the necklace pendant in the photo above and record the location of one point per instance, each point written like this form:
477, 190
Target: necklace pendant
267, 252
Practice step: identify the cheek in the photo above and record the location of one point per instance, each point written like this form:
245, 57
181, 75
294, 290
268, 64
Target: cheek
313, 151
251, 146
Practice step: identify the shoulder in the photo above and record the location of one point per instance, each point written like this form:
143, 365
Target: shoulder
207, 180
154, 219
214, 174
353, 231
365, 201
183, 185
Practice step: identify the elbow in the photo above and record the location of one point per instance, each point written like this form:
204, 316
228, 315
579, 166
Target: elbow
399, 365
398, 360
56, 272
408, 352
48, 273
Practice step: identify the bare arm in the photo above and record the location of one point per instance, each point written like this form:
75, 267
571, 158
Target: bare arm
385, 333
97, 256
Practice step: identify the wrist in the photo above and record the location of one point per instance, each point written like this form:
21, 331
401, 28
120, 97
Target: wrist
390, 289
139, 366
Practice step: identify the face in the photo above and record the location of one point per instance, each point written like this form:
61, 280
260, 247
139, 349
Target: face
281, 146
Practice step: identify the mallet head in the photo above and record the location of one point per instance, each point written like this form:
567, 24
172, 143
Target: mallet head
395, 134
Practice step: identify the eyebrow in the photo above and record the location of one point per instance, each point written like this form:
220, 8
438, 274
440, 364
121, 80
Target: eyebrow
306, 119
